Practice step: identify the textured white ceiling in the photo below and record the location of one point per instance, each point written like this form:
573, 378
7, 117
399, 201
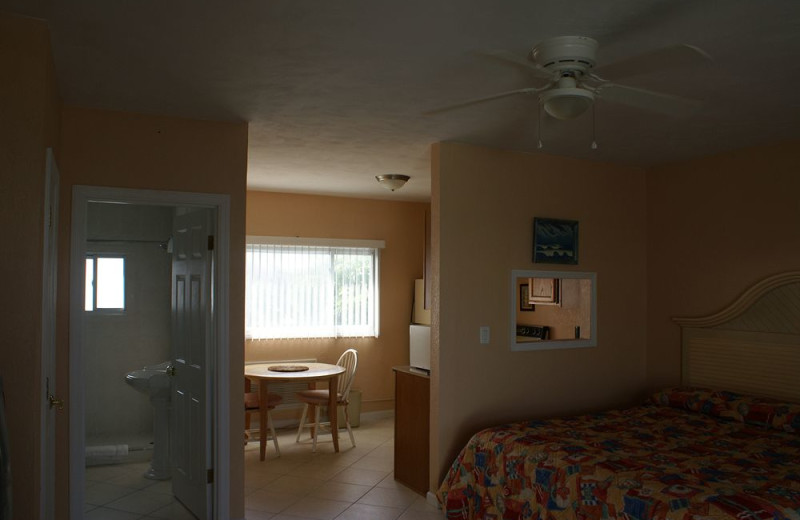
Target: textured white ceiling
334, 90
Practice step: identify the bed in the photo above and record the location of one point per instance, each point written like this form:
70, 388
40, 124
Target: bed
725, 444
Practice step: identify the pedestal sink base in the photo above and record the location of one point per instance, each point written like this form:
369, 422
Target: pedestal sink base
154, 381
159, 466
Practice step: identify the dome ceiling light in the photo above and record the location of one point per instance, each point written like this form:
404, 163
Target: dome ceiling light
392, 181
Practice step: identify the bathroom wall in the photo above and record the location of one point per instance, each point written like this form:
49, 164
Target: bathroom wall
115, 344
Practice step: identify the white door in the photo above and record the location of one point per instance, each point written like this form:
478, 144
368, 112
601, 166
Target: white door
50, 403
192, 343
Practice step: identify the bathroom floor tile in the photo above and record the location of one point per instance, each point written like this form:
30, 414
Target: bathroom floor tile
141, 502
103, 513
132, 480
173, 511
100, 493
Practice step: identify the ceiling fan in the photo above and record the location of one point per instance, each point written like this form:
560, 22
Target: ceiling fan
567, 63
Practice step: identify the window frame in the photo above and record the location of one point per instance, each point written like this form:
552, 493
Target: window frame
106, 310
332, 244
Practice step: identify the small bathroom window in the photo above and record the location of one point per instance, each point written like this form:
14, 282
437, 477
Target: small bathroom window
105, 283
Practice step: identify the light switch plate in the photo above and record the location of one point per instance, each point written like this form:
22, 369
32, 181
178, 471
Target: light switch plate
484, 335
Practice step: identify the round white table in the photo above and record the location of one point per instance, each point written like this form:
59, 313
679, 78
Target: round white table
261, 373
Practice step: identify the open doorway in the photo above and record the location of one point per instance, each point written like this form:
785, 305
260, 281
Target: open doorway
129, 411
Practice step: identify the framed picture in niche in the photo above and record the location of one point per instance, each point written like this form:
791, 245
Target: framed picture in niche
525, 298
555, 241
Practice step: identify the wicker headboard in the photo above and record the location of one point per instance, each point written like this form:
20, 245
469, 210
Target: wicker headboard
752, 346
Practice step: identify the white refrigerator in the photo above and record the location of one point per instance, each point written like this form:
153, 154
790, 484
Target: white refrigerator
420, 347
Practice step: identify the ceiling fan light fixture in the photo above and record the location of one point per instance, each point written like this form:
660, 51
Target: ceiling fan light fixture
566, 103
392, 181
567, 53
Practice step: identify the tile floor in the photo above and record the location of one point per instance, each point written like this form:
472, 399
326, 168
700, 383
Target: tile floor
120, 492
354, 484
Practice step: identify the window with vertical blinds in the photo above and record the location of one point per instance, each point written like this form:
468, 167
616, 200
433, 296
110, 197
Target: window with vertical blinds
311, 288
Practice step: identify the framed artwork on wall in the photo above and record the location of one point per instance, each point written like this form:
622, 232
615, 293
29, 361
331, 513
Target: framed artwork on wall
525, 298
555, 241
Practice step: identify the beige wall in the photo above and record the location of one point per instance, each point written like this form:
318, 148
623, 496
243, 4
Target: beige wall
715, 226
118, 149
402, 226
483, 206
28, 125
710, 227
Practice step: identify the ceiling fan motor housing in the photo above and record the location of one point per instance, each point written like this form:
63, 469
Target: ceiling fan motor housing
566, 53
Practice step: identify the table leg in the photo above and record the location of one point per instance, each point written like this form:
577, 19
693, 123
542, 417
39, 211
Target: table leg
333, 411
262, 418
312, 411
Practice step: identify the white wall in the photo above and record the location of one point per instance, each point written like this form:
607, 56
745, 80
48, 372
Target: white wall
116, 344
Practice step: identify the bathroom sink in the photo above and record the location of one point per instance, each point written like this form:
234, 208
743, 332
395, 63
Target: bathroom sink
152, 380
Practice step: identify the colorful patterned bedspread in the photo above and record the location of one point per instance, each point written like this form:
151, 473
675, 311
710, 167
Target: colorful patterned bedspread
649, 462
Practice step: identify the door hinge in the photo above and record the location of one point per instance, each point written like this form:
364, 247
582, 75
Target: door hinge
210, 242
210, 476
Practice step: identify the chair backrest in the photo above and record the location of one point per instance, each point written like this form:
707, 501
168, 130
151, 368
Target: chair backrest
348, 360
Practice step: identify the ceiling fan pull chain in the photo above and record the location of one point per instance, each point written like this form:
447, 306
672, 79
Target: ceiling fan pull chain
539, 123
594, 127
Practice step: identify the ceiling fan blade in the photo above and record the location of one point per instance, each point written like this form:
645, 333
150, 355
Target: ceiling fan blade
475, 101
675, 56
648, 100
519, 61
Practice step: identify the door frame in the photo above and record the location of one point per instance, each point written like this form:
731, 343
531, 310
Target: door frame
219, 372
48, 380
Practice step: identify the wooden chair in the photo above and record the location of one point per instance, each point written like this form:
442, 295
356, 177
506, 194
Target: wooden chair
319, 398
252, 404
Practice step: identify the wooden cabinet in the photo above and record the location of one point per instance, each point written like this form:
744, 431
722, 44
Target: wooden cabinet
411, 426
544, 291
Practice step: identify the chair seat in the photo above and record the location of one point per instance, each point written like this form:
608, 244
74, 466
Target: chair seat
320, 398
317, 397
